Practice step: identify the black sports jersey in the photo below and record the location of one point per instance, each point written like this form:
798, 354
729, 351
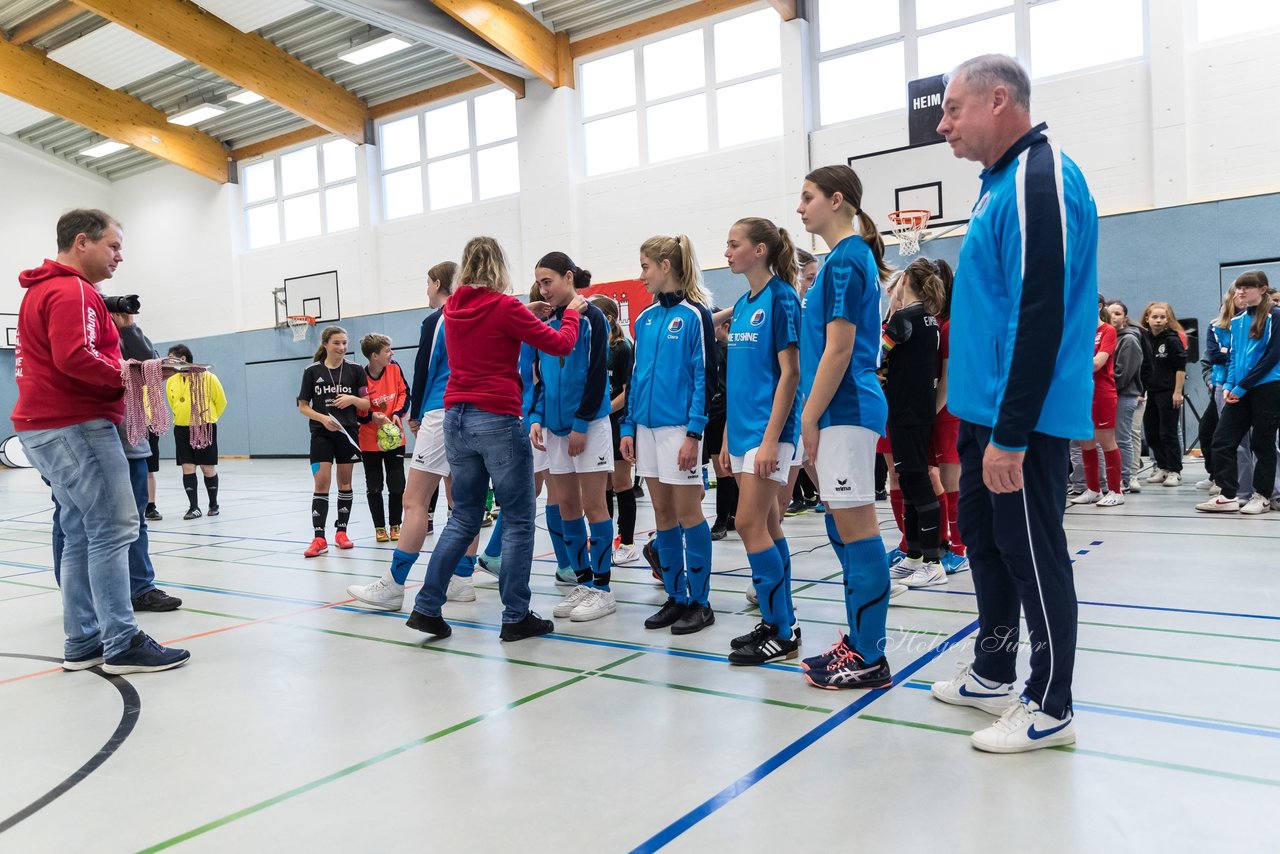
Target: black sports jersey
622, 358
911, 349
322, 384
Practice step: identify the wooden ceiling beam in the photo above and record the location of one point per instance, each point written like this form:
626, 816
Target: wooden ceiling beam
30, 76
428, 96
43, 23
656, 24
246, 59
510, 82
788, 9
510, 28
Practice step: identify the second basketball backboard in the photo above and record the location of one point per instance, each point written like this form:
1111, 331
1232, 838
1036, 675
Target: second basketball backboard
315, 295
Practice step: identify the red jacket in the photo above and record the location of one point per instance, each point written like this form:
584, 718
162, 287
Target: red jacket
483, 333
67, 361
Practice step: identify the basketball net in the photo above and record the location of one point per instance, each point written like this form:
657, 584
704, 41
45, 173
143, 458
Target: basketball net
139, 419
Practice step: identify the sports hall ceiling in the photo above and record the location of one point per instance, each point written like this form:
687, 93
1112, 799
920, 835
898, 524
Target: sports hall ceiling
75, 74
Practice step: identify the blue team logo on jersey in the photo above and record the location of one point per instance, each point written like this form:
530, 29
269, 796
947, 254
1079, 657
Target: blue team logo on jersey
676, 325
758, 317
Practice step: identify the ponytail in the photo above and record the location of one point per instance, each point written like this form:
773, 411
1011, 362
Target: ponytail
843, 180
922, 276
678, 251
329, 332
563, 265
782, 252
948, 277
609, 308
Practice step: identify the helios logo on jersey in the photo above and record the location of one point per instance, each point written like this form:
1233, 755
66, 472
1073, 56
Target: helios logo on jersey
758, 317
675, 325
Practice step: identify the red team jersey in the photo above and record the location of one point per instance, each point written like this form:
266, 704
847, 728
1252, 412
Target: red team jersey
1104, 378
388, 394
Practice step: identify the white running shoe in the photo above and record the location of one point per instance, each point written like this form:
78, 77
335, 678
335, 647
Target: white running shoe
625, 554
1204, 484
751, 596
1135, 485
383, 594
566, 605
1275, 503
896, 588
928, 575
1215, 490
968, 689
1218, 504
1157, 475
1111, 499
1173, 479
1256, 505
1087, 497
1024, 727
460, 590
906, 568
596, 604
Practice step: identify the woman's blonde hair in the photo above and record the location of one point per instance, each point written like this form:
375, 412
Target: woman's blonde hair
1168, 313
322, 350
609, 308
1228, 310
924, 277
484, 263
678, 251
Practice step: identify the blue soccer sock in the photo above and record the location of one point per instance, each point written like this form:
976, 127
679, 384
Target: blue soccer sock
671, 555
766, 574
866, 596
494, 547
784, 551
466, 566
697, 552
576, 545
601, 553
555, 527
401, 564
833, 534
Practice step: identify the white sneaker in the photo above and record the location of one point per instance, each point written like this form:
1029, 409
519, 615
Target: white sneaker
1024, 727
906, 568
896, 589
1215, 490
1157, 475
1135, 485
566, 605
460, 590
1087, 497
1218, 504
1256, 506
966, 689
596, 604
1204, 484
1173, 479
383, 594
752, 597
1275, 503
1111, 499
625, 554
928, 575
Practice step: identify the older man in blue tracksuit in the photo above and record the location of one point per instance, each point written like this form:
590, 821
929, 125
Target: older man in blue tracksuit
1021, 381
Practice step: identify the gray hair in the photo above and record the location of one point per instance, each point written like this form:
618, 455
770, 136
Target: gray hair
996, 69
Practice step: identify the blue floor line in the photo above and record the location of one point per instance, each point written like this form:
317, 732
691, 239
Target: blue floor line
727, 795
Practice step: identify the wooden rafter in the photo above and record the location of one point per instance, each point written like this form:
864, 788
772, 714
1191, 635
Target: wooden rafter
788, 9
508, 81
666, 21
510, 28
43, 23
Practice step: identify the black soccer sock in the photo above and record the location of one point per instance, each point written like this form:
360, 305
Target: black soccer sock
627, 517
726, 500
608, 501
344, 509
319, 512
211, 487
395, 505
189, 485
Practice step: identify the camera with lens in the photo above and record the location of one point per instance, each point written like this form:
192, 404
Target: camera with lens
127, 304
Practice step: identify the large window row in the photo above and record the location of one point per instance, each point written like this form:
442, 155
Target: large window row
304, 193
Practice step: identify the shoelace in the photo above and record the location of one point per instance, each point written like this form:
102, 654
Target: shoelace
1017, 717
844, 657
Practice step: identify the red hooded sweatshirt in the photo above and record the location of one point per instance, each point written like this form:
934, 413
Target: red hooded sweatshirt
67, 360
482, 333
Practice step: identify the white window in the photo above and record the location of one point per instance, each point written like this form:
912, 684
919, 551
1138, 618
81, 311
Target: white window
711, 87
451, 155
1058, 29
942, 51
1219, 19
302, 193
930, 13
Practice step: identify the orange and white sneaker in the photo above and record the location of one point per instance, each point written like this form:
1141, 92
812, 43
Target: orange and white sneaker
395, 533
343, 541
380, 534
318, 547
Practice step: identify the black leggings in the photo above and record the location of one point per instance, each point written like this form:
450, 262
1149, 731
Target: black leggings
1161, 425
1258, 410
921, 515
1208, 426
374, 464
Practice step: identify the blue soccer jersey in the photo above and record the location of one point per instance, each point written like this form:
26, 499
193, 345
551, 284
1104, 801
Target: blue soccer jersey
847, 287
763, 326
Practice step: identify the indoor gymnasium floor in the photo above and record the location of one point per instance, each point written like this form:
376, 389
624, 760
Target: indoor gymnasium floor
303, 723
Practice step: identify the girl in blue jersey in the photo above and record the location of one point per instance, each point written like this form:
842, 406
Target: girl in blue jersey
666, 414
429, 465
844, 414
570, 420
761, 425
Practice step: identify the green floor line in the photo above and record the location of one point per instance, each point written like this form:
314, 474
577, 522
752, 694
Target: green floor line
1097, 754
44, 587
1180, 632
1152, 655
712, 693
29, 595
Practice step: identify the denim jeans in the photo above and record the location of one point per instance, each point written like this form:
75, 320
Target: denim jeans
1126, 408
86, 467
484, 447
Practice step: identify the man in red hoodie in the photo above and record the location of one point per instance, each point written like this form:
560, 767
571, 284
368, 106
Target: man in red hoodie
70, 399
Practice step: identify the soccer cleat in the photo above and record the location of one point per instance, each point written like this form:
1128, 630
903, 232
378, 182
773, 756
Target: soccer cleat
625, 554
1256, 506
840, 649
928, 575
1219, 504
92, 658
851, 672
1205, 484
1173, 479
596, 604
460, 589
1024, 727
530, 627
434, 626
156, 600
882, 495
144, 655
896, 557
765, 649
380, 535
566, 576
719, 532
153, 515
896, 589
650, 552
384, 594
1135, 485
343, 541
1111, 499
214, 510
318, 547
670, 611
395, 533
759, 633
905, 568
795, 508
1087, 497
695, 618
968, 689
566, 605
1157, 475
193, 513
954, 563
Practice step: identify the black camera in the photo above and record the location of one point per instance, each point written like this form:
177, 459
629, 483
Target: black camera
127, 304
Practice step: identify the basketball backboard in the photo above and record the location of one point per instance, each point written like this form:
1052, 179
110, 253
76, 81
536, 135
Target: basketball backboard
315, 295
8, 331
926, 177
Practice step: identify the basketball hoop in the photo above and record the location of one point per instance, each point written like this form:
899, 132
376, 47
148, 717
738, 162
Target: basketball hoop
299, 324
907, 227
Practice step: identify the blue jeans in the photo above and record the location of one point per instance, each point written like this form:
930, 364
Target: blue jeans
1126, 408
86, 467
142, 575
484, 447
